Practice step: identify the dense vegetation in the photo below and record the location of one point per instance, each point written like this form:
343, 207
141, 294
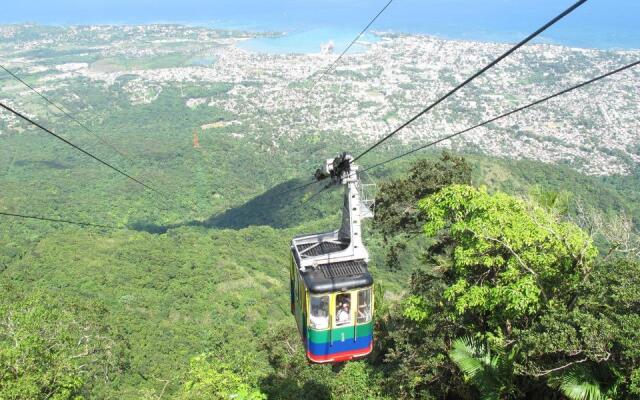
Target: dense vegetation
497, 279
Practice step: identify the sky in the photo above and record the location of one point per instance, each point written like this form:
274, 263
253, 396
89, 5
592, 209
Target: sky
598, 23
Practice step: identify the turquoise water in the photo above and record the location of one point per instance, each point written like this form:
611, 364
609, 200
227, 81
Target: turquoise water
203, 61
596, 24
309, 42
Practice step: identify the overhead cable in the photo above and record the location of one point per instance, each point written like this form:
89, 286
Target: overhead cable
474, 76
24, 117
313, 196
298, 187
192, 205
335, 62
71, 117
64, 221
545, 99
366, 28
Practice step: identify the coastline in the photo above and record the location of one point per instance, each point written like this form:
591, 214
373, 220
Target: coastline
279, 39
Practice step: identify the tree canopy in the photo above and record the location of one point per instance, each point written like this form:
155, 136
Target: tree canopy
513, 301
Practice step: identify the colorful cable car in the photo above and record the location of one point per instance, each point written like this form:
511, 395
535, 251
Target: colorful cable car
331, 287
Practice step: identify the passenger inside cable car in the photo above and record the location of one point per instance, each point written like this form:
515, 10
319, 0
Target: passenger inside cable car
364, 306
343, 316
319, 317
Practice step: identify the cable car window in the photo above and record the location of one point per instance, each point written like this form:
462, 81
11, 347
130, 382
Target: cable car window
364, 306
319, 317
343, 309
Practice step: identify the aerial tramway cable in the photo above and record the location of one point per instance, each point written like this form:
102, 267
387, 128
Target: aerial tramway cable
24, 117
102, 140
328, 69
298, 187
461, 85
71, 117
192, 205
514, 111
316, 194
64, 221
474, 76
543, 100
366, 28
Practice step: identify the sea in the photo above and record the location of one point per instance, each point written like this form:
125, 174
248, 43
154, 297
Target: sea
306, 24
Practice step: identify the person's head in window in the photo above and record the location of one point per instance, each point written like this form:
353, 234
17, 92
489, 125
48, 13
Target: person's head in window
319, 317
363, 309
324, 307
342, 313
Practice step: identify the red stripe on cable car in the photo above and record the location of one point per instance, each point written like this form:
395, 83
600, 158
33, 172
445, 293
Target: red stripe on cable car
340, 357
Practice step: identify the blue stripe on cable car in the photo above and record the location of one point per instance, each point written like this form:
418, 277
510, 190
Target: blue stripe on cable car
338, 346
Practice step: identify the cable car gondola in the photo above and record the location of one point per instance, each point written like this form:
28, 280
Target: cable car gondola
331, 287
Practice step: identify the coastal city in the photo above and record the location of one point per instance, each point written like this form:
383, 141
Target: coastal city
370, 92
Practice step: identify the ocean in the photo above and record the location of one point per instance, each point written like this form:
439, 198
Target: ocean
604, 24
309, 41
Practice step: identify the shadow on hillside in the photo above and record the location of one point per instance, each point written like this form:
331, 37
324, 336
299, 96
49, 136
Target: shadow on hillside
278, 207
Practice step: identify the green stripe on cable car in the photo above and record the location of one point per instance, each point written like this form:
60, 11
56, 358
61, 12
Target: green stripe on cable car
337, 333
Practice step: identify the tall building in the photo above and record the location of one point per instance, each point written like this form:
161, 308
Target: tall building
327, 48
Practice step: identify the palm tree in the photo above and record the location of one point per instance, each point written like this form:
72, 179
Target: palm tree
490, 375
581, 383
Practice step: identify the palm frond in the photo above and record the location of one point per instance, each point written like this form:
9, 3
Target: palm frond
581, 384
465, 355
478, 367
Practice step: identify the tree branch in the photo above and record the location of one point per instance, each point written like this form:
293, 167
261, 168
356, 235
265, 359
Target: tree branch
550, 371
520, 261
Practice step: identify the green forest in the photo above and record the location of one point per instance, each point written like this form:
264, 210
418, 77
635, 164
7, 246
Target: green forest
495, 278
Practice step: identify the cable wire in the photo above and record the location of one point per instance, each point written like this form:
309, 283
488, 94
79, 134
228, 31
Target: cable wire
366, 28
474, 76
545, 99
24, 117
192, 205
313, 196
298, 187
64, 221
71, 117
328, 69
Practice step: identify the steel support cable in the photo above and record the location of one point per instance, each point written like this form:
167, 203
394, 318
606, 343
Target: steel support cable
24, 117
366, 28
298, 187
307, 200
305, 96
335, 62
474, 76
328, 69
545, 99
192, 205
71, 117
316, 194
64, 221
514, 111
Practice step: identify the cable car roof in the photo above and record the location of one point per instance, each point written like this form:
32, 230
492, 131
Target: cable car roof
337, 277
